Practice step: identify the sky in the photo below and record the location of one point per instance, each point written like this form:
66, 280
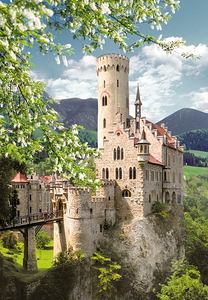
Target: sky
167, 82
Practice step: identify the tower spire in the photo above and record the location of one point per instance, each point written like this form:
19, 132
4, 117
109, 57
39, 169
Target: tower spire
138, 107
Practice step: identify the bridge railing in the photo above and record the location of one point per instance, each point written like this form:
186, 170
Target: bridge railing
34, 218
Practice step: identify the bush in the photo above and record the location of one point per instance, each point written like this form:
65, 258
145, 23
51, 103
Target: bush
160, 209
9, 240
42, 239
69, 256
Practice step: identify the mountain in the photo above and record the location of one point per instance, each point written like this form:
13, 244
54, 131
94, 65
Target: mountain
186, 119
78, 111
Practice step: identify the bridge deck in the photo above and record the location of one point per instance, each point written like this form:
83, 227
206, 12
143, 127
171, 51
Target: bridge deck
33, 220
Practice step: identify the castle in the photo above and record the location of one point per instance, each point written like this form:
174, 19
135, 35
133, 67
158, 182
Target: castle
140, 163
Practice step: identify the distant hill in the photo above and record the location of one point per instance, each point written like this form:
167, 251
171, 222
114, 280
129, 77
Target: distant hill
186, 119
195, 139
78, 111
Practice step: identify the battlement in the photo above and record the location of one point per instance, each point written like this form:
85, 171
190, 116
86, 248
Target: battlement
98, 199
112, 61
108, 182
79, 190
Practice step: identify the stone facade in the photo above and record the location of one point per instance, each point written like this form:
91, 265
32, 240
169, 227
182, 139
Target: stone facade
33, 194
140, 163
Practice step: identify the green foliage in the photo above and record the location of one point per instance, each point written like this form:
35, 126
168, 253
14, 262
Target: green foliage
184, 283
69, 256
160, 209
42, 239
9, 240
107, 273
88, 136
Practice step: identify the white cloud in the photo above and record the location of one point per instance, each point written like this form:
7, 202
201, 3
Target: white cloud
78, 80
161, 75
199, 99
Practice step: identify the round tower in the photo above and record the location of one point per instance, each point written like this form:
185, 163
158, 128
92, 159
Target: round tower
113, 93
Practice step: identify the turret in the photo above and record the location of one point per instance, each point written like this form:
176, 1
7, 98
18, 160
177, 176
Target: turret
138, 108
113, 93
143, 149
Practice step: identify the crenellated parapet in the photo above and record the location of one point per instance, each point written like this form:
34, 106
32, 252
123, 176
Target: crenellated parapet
112, 62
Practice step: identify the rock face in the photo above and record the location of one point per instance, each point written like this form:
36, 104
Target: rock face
144, 249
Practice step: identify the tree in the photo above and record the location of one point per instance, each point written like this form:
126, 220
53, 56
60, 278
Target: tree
184, 283
42, 239
107, 273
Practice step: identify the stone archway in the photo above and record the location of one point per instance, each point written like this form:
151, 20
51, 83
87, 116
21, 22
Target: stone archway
174, 197
167, 197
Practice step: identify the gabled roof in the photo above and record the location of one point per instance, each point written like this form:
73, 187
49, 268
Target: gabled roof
20, 178
46, 179
153, 160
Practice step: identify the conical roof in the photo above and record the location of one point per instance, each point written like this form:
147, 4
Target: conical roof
138, 99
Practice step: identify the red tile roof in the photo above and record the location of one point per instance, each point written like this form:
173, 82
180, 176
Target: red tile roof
153, 160
20, 178
46, 179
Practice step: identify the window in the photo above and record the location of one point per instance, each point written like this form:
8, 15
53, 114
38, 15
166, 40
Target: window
40, 210
114, 154
18, 213
107, 173
117, 68
104, 101
30, 209
173, 177
104, 83
101, 228
91, 210
103, 173
120, 173
150, 199
118, 153
30, 197
105, 69
134, 173
122, 153
157, 176
165, 176
147, 174
116, 173
130, 173
126, 193
152, 176
104, 123
109, 198
117, 83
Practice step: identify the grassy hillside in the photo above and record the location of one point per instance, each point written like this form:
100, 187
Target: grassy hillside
190, 171
202, 154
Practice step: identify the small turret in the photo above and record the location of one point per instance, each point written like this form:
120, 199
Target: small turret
138, 107
143, 148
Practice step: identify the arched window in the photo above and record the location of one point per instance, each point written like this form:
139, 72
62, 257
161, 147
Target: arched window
104, 83
105, 69
167, 197
173, 197
134, 173
117, 83
117, 68
120, 173
150, 199
122, 153
104, 123
105, 100
107, 173
103, 173
130, 173
114, 154
126, 193
116, 173
118, 153
165, 176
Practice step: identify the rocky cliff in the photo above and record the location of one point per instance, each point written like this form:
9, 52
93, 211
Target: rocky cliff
144, 249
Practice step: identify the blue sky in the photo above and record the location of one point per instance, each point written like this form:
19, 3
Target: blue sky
167, 82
